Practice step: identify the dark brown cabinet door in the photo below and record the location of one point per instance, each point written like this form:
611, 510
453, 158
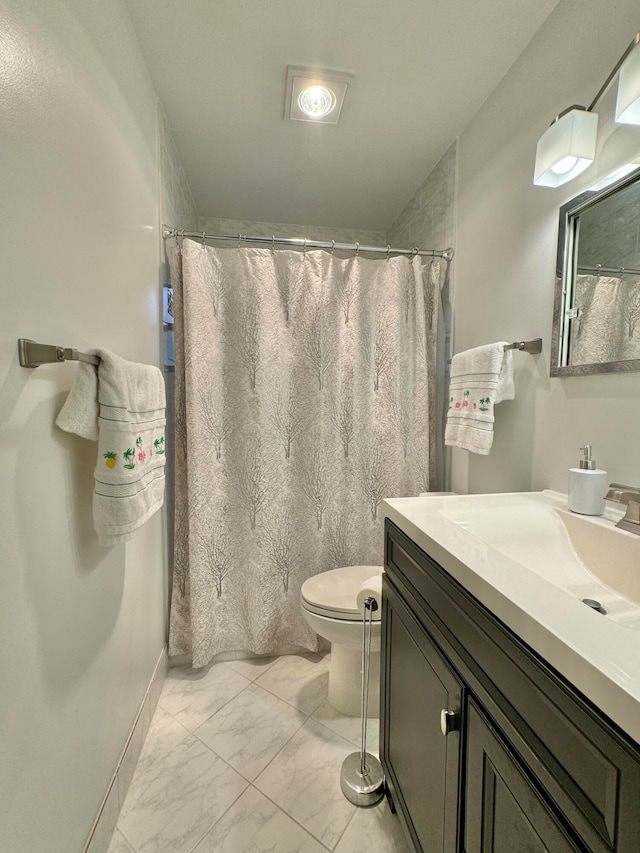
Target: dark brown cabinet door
504, 812
422, 763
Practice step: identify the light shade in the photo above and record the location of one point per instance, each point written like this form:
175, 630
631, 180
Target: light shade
628, 100
566, 148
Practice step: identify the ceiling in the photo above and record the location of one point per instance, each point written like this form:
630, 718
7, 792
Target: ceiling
422, 70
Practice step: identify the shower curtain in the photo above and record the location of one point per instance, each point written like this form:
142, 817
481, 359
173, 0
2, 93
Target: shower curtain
608, 324
304, 396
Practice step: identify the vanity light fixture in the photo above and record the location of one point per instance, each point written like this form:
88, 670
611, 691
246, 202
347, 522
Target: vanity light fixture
568, 147
315, 95
628, 100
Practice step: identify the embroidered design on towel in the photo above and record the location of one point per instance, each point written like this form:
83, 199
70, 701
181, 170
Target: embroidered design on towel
110, 459
159, 445
129, 457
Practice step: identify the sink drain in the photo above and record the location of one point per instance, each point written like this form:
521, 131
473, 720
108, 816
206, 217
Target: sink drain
594, 605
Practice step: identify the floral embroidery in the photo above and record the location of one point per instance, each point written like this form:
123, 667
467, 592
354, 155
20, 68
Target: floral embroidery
457, 405
159, 445
129, 457
139, 442
142, 456
110, 459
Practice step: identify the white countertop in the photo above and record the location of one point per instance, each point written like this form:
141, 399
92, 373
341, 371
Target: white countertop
599, 656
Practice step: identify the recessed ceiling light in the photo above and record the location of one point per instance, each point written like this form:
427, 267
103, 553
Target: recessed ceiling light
317, 101
315, 95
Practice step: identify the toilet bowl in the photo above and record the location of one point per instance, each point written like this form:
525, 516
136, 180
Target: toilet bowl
329, 605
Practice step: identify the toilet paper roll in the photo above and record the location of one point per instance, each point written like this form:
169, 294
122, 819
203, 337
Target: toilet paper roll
371, 588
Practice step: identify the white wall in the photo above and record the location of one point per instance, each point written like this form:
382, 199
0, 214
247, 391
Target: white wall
505, 259
81, 626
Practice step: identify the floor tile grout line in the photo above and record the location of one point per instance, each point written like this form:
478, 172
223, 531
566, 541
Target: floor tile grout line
295, 820
286, 700
202, 837
301, 726
297, 708
118, 829
221, 706
334, 732
349, 822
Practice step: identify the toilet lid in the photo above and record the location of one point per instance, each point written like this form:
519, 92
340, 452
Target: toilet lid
334, 593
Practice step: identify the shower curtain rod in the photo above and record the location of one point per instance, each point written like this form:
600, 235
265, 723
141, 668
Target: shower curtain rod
303, 243
615, 271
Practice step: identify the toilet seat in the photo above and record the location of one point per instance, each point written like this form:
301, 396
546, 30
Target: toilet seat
333, 594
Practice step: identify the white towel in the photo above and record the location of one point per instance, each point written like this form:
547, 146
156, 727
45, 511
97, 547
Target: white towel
121, 405
480, 378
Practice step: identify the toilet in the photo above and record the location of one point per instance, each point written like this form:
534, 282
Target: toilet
329, 605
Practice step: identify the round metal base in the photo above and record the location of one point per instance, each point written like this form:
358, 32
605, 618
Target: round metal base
362, 789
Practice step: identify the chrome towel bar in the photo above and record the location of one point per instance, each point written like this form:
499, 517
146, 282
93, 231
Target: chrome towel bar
32, 354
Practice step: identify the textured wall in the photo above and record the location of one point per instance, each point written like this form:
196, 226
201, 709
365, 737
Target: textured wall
81, 626
429, 221
287, 229
506, 256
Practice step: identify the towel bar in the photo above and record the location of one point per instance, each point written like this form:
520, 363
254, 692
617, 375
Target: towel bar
32, 354
534, 347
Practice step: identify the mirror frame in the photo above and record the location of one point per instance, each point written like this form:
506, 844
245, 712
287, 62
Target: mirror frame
564, 285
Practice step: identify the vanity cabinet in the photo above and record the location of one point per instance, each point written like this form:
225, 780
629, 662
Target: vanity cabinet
485, 747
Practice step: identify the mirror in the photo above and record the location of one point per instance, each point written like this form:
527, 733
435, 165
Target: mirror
596, 318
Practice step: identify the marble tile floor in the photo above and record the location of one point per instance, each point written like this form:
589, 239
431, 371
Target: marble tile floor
245, 756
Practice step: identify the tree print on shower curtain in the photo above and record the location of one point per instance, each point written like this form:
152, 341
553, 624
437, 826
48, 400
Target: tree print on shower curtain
304, 397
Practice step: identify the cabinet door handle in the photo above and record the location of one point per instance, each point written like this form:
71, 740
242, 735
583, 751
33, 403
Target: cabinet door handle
448, 721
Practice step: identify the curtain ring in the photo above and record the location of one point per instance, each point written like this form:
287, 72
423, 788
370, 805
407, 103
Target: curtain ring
304, 247
388, 252
239, 239
182, 233
621, 273
598, 270
333, 246
357, 249
273, 243
204, 239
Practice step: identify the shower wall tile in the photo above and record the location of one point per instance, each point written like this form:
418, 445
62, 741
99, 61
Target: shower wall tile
288, 229
428, 219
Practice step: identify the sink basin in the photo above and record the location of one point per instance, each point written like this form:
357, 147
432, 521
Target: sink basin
610, 554
586, 556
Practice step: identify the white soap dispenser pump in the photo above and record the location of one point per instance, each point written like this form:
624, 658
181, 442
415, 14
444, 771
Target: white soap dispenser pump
587, 486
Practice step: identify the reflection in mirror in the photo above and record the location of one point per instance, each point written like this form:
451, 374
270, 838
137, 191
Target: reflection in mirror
597, 310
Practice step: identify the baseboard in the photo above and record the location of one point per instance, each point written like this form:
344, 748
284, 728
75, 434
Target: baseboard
105, 823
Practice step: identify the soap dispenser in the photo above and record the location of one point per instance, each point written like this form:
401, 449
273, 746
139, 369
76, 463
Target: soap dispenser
587, 486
